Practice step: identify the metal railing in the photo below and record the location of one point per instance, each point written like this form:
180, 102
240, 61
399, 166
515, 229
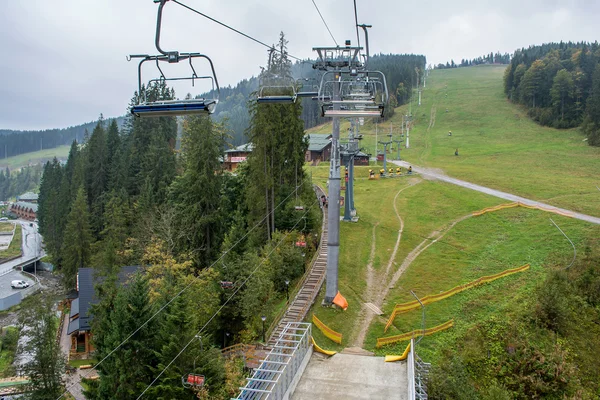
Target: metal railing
276, 373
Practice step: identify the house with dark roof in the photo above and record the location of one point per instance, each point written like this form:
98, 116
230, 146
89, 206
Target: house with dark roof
319, 148
237, 155
28, 197
80, 317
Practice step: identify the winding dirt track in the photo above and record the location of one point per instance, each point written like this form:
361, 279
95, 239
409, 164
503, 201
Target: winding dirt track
376, 282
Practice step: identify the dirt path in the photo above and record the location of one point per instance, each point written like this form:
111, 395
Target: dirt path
375, 281
436, 174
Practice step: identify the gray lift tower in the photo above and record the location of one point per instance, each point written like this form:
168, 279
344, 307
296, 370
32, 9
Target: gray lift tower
341, 81
385, 145
349, 151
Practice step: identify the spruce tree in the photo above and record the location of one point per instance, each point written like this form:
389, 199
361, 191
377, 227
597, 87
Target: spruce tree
196, 194
128, 371
77, 242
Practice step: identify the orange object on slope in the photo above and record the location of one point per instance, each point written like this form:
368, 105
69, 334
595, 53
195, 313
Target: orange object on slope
340, 301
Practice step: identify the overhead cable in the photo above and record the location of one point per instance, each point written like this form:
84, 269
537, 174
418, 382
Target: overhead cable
228, 299
326, 26
235, 30
356, 24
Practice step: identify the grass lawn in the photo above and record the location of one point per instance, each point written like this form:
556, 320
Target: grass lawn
79, 363
35, 157
499, 145
6, 226
15, 245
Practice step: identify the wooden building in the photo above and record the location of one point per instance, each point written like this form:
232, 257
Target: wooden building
233, 157
79, 318
24, 210
319, 148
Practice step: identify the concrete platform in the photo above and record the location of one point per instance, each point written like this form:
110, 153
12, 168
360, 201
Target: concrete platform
350, 376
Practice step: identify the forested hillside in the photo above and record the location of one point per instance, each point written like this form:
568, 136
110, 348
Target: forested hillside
559, 83
233, 104
18, 182
128, 197
13, 142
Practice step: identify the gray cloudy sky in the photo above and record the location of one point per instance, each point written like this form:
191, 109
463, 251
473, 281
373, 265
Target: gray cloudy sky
64, 61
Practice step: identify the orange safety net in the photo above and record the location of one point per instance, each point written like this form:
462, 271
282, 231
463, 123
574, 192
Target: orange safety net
340, 301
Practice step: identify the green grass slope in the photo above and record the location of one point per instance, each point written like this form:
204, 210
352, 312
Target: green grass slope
499, 146
35, 157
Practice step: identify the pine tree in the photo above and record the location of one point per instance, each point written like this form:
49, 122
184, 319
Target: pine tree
275, 164
76, 249
591, 125
196, 194
127, 372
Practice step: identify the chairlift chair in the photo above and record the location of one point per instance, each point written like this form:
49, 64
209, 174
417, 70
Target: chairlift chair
190, 381
308, 88
362, 94
161, 107
276, 89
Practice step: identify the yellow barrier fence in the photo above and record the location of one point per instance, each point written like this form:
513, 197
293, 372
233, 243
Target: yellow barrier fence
519, 204
399, 358
320, 350
412, 305
327, 331
411, 335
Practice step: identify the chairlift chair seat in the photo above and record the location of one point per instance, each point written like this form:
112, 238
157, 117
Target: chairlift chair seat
193, 380
276, 100
168, 108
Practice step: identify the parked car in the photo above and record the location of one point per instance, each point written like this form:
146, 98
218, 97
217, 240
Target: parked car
4, 219
19, 284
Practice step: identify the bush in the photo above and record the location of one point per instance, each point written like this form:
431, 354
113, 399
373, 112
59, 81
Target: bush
553, 310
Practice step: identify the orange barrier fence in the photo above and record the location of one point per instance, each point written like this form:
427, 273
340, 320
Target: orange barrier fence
319, 349
519, 204
327, 331
411, 335
391, 358
411, 305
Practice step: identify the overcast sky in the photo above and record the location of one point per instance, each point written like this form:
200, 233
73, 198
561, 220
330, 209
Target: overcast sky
63, 62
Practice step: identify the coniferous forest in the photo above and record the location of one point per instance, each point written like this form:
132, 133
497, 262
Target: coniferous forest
559, 84
128, 197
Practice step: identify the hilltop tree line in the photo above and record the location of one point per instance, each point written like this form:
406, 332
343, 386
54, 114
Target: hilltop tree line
20, 181
491, 58
128, 197
13, 143
559, 83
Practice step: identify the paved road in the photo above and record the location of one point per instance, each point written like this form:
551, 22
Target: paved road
493, 192
32, 247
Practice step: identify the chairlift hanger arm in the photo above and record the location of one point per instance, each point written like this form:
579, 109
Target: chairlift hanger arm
173, 56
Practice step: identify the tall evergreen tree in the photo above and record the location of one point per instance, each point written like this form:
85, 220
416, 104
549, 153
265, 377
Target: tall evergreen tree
196, 194
76, 250
128, 371
275, 164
